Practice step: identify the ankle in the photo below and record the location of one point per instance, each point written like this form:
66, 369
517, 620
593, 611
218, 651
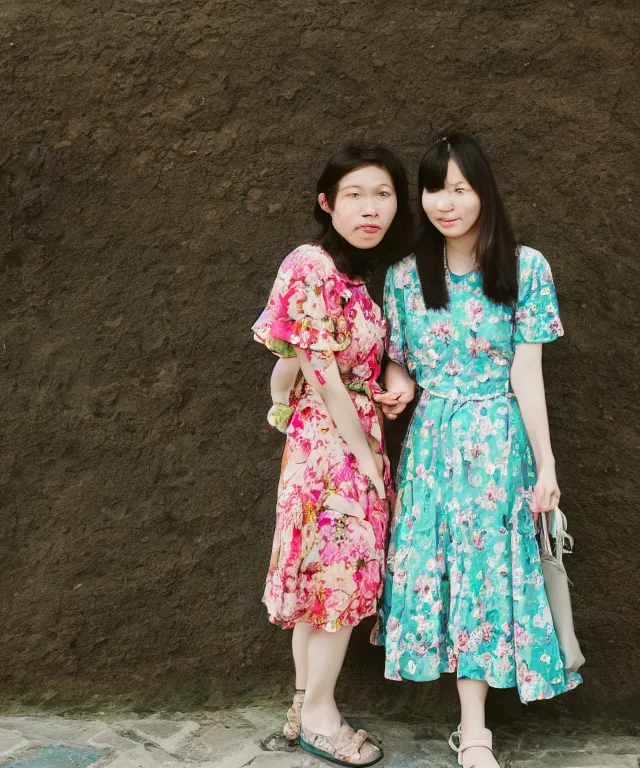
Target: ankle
476, 736
472, 725
320, 716
311, 708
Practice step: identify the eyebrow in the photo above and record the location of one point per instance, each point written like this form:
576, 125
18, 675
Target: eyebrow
359, 186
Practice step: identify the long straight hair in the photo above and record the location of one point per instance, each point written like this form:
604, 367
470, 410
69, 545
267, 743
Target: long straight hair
360, 262
496, 250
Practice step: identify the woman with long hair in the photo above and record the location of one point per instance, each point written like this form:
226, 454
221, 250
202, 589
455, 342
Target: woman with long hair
467, 316
327, 565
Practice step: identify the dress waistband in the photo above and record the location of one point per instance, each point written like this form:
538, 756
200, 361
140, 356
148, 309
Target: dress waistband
465, 397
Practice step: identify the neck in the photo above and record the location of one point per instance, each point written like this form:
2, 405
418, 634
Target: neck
461, 252
354, 262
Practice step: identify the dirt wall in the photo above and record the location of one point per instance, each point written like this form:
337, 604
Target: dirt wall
157, 161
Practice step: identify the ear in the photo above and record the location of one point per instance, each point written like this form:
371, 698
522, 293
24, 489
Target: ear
324, 203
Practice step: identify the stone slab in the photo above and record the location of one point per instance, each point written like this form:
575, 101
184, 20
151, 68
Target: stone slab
167, 734
11, 741
45, 731
237, 739
142, 757
108, 737
601, 760
58, 756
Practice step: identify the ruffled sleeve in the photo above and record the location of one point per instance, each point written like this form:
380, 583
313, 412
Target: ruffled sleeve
537, 313
305, 309
394, 314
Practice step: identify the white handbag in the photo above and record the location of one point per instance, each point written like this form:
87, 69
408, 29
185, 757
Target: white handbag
556, 582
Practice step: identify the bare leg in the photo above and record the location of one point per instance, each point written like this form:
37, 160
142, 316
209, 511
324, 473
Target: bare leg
299, 643
326, 652
320, 714
472, 695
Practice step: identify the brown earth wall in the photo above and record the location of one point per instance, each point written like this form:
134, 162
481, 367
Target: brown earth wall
157, 161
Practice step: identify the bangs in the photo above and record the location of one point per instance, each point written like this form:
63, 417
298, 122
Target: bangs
434, 165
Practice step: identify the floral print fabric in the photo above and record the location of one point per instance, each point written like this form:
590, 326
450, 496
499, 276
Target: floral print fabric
327, 562
464, 590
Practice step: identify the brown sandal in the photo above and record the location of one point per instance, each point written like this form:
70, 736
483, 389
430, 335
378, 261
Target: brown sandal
291, 729
343, 748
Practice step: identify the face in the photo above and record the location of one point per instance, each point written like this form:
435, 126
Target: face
454, 210
364, 207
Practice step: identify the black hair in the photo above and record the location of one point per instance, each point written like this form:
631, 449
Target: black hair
358, 262
496, 250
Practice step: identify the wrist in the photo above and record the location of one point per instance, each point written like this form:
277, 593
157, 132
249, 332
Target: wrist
546, 462
279, 416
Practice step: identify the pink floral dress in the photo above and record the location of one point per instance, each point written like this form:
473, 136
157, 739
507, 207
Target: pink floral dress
327, 563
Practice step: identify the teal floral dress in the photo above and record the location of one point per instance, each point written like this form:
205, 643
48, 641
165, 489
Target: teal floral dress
464, 590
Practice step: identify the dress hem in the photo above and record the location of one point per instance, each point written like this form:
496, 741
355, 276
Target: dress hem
327, 626
491, 683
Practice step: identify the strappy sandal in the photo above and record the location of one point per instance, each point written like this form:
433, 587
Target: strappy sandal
342, 747
291, 729
480, 738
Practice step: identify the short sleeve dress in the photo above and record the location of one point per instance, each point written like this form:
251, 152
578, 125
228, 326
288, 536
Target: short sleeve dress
327, 563
464, 590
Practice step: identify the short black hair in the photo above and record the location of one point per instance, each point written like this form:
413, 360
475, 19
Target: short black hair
357, 262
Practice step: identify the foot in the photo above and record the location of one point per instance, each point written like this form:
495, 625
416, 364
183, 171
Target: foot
474, 748
325, 728
345, 746
479, 757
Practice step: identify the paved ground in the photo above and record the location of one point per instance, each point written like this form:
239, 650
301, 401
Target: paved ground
239, 738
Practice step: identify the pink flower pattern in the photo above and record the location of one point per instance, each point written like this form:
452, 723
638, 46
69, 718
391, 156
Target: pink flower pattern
327, 562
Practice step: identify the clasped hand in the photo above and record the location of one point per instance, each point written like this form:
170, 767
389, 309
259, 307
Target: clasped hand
393, 403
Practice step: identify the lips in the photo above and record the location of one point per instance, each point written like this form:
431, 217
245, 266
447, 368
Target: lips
448, 222
370, 229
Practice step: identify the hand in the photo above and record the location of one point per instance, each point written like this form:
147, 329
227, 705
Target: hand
393, 403
546, 494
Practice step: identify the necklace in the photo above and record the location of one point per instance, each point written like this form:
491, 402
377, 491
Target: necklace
447, 271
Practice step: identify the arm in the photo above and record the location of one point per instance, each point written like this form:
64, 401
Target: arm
400, 387
528, 386
331, 389
283, 378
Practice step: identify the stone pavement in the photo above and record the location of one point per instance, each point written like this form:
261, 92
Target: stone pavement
240, 738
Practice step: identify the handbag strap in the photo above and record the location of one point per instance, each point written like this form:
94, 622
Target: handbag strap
555, 524
546, 550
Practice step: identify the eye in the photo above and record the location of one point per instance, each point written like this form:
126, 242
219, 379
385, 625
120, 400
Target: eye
385, 194
354, 194
461, 189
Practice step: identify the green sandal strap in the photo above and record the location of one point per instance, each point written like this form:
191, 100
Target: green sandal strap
340, 748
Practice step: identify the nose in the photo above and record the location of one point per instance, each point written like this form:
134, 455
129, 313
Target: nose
444, 202
370, 206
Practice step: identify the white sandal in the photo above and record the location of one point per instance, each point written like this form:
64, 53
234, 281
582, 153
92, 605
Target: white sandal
480, 738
